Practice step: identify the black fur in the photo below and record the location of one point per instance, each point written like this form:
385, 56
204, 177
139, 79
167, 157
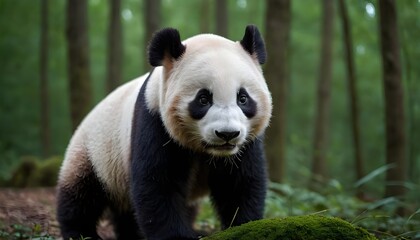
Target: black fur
249, 107
125, 225
166, 42
80, 206
253, 43
197, 107
161, 170
241, 187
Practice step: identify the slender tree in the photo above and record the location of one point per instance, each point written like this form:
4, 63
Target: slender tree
205, 16
411, 74
278, 18
45, 108
114, 76
222, 18
351, 81
152, 18
78, 60
323, 94
394, 100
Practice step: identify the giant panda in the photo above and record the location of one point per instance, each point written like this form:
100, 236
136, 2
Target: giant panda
151, 149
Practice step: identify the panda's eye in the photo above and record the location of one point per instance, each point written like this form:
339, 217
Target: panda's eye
201, 104
204, 100
242, 99
246, 103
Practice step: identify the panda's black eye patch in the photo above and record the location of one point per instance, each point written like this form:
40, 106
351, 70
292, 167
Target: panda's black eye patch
201, 104
246, 103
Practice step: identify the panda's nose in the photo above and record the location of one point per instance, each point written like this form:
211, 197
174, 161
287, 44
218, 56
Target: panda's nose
227, 136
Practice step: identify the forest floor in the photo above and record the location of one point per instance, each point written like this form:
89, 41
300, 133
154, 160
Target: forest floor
34, 208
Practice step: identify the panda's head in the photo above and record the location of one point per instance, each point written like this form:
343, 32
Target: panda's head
212, 94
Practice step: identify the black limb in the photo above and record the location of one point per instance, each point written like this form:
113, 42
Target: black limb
80, 206
238, 192
125, 226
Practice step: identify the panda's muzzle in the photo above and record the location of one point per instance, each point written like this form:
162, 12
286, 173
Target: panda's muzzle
226, 136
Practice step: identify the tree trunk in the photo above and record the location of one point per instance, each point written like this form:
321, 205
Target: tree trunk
221, 18
45, 108
78, 60
278, 18
351, 80
205, 16
394, 100
114, 76
323, 95
412, 86
152, 18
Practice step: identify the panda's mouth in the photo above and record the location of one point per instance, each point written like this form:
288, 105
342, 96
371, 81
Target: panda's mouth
221, 147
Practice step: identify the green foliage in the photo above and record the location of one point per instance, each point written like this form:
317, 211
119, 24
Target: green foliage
298, 227
207, 219
284, 201
377, 216
20, 232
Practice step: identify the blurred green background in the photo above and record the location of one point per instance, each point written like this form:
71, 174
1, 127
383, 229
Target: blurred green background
20, 104
20, 83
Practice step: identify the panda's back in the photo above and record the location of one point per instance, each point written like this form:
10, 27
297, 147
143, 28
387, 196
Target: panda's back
103, 140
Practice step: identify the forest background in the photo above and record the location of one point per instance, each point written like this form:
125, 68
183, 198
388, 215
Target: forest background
28, 131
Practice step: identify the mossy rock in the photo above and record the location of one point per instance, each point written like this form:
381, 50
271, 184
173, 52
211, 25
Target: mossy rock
46, 173
33, 172
297, 228
20, 176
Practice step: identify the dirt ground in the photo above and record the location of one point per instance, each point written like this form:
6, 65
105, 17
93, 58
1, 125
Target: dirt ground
35, 206
29, 207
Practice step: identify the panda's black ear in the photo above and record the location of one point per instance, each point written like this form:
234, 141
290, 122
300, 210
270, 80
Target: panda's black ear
165, 43
253, 43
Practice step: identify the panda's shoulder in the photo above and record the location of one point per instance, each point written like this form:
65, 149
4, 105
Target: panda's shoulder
113, 111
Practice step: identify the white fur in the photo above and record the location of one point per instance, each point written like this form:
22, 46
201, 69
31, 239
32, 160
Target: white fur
104, 137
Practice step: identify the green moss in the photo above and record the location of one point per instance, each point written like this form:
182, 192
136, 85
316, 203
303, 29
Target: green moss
296, 228
33, 172
20, 176
47, 173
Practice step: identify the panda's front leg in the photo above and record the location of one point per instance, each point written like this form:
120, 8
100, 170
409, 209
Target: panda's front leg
159, 189
238, 191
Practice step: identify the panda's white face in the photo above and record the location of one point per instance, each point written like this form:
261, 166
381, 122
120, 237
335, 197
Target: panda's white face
215, 98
